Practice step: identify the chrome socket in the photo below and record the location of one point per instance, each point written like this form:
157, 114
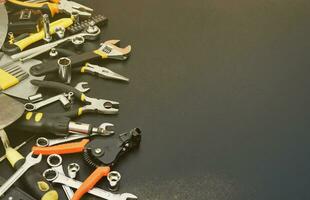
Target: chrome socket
64, 71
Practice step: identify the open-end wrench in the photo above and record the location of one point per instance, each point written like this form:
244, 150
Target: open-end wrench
82, 87
55, 161
29, 162
56, 177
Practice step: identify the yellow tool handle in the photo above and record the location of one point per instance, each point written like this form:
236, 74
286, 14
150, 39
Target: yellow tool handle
46, 7
22, 44
7, 80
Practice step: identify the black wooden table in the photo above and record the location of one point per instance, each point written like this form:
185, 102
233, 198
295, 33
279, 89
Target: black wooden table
220, 90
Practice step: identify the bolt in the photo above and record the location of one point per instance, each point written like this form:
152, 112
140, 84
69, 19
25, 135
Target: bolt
98, 151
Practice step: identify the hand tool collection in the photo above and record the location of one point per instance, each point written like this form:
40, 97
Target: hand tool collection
54, 32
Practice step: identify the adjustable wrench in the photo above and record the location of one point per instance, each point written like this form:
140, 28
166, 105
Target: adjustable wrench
29, 162
56, 177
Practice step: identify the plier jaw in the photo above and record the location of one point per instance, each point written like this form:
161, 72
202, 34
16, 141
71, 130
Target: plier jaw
112, 51
103, 72
101, 106
71, 7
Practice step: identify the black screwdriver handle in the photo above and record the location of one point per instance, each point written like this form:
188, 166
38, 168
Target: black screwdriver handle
43, 123
52, 66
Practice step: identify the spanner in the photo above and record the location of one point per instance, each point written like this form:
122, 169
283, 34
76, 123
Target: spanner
63, 98
56, 177
29, 162
55, 161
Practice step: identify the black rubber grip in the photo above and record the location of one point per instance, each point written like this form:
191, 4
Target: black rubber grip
57, 125
10, 49
38, 186
52, 66
61, 87
15, 193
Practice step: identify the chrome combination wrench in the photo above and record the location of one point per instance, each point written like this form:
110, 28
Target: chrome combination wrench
56, 177
55, 161
29, 162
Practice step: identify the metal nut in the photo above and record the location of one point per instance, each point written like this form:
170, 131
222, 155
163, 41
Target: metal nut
73, 169
114, 178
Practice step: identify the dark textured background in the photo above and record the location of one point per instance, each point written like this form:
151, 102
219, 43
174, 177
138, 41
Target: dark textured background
220, 90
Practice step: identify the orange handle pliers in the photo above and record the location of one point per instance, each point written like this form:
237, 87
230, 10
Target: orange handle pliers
56, 6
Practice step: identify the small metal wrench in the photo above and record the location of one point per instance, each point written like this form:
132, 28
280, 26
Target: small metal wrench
29, 162
63, 98
55, 161
56, 177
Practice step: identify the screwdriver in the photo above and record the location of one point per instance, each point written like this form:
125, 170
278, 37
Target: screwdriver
40, 188
37, 122
18, 147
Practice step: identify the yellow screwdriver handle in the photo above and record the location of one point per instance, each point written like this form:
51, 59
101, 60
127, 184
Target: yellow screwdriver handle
22, 44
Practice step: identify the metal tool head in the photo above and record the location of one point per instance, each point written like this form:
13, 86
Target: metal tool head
101, 106
54, 160
11, 110
104, 72
82, 87
109, 47
50, 174
105, 129
127, 196
71, 7
34, 160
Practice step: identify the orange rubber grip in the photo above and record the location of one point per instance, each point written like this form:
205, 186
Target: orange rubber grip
74, 147
91, 181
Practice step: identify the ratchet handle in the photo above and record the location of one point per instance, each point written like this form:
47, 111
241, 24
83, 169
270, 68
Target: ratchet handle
41, 123
91, 181
68, 148
61, 87
52, 66
36, 183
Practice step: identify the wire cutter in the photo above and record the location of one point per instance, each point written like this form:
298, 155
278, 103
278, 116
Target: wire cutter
92, 104
56, 6
101, 153
102, 72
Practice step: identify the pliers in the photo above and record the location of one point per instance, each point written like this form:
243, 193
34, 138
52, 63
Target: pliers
92, 104
102, 72
56, 6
